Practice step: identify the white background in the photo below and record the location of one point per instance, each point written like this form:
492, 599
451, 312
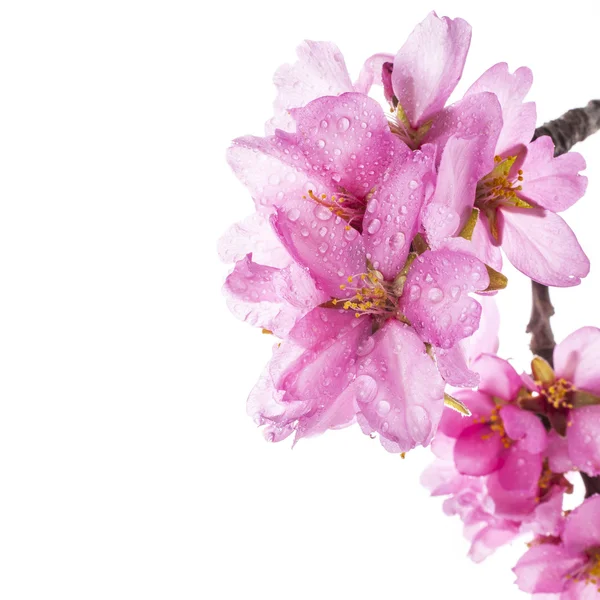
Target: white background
128, 467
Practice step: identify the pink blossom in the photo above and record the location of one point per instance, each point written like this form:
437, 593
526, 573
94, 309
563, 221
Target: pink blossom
517, 195
569, 397
566, 567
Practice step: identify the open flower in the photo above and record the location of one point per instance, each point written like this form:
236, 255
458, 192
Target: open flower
512, 201
566, 567
568, 396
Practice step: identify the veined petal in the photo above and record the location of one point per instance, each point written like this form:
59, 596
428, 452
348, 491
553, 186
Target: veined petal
582, 529
498, 377
253, 235
454, 196
347, 141
552, 183
401, 392
392, 216
331, 250
371, 73
254, 295
577, 359
436, 298
518, 117
319, 71
542, 246
273, 169
477, 116
544, 567
429, 65
583, 439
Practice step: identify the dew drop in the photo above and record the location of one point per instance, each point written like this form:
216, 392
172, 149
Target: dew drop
321, 143
372, 205
374, 226
419, 423
414, 293
323, 247
454, 292
366, 388
343, 124
323, 231
413, 185
350, 233
397, 241
383, 408
322, 213
293, 214
365, 346
435, 294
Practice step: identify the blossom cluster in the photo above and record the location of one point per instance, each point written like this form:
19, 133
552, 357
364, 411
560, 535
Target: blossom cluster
376, 222
381, 216
506, 469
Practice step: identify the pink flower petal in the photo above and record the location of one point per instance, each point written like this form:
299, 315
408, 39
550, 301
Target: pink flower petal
484, 247
478, 116
392, 216
320, 326
519, 118
453, 367
273, 169
399, 390
582, 528
436, 299
498, 377
452, 201
542, 246
347, 140
583, 439
371, 73
558, 453
485, 340
577, 357
544, 567
525, 428
520, 470
319, 71
429, 65
490, 538
254, 295
253, 235
480, 405
478, 450
515, 503
552, 183
330, 250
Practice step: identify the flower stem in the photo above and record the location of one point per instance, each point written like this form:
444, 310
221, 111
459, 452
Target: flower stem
574, 126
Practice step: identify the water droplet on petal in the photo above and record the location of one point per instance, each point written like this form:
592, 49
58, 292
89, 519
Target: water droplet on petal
397, 241
414, 293
321, 143
454, 292
343, 124
366, 388
372, 205
293, 214
323, 247
350, 233
419, 423
322, 213
435, 294
374, 226
413, 185
383, 408
365, 346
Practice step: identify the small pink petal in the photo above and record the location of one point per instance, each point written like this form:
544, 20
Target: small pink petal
552, 183
483, 246
399, 390
371, 73
477, 451
542, 246
525, 428
582, 528
478, 116
498, 377
453, 367
320, 326
253, 235
392, 215
319, 71
429, 65
436, 299
544, 569
452, 201
583, 439
577, 357
520, 470
519, 118
558, 453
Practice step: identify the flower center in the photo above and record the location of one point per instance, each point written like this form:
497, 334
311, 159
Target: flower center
498, 188
372, 295
494, 421
343, 205
400, 126
590, 572
557, 394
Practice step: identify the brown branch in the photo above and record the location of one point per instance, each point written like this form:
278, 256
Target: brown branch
574, 126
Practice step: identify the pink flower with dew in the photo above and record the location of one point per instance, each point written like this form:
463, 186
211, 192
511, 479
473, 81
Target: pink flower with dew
355, 242
566, 567
517, 198
569, 397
